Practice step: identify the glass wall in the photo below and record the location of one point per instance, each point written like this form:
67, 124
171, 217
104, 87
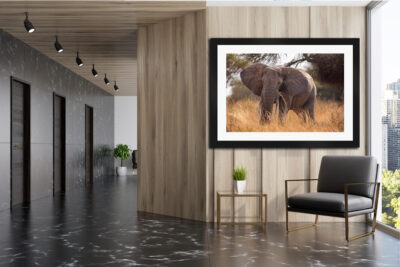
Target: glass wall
385, 106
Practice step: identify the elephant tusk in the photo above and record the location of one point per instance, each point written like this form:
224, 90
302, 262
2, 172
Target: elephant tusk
259, 110
277, 109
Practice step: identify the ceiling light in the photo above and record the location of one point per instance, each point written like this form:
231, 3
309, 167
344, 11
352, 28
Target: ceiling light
58, 46
94, 72
79, 60
115, 86
106, 81
28, 25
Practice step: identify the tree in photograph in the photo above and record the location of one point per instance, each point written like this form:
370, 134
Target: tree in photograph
235, 63
327, 69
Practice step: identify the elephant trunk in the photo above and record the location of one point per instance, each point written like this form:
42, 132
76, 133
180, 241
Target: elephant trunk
265, 109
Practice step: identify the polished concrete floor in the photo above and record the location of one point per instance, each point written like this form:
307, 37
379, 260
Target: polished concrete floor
99, 226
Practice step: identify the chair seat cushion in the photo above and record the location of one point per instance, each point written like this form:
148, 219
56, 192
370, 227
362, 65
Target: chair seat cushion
331, 202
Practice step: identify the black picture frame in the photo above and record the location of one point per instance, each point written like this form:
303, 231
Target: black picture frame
213, 87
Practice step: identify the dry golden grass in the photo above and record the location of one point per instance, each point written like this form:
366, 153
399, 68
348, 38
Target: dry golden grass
241, 116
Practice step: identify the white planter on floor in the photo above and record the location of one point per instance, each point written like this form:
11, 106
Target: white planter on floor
121, 171
239, 186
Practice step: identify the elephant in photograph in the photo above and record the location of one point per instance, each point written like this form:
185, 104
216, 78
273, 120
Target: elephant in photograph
290, 88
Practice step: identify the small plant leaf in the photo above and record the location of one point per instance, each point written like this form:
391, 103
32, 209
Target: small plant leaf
239, 174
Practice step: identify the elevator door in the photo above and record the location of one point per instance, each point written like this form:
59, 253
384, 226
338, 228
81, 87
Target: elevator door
89, 144
59, 144
20, 142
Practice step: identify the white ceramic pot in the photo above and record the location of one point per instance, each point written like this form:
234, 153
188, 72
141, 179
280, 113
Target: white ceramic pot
121, 171
239, 186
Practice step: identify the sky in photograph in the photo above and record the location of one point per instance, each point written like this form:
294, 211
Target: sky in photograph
391, 41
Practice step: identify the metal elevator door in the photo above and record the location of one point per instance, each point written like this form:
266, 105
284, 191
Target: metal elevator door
89, 144
20, 142
59, 144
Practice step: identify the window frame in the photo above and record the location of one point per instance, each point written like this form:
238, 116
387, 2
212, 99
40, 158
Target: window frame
373, 111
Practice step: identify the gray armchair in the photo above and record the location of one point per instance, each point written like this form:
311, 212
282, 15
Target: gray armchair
347, 186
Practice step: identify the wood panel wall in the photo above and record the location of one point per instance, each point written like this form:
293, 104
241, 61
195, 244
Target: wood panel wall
178, 174
172, 117
268, 168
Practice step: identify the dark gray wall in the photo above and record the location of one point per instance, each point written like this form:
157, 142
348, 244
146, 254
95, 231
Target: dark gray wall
45, 76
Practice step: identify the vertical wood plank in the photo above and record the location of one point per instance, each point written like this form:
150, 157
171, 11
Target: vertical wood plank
279, 165
172, 176
223, 167
141, 80
246, 209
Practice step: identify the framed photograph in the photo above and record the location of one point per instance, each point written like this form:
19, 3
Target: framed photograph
293, 92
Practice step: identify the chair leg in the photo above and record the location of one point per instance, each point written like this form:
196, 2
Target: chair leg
348, 239
374, 222
301, 226
287, 220
346, 221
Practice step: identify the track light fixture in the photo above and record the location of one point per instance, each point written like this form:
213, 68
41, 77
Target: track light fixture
58, 46
28, 25
106, 81
79, 60
115, 86
94, 72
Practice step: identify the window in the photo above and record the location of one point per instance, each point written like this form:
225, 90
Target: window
385, 106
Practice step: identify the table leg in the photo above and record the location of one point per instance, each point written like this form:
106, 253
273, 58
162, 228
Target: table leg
266, 210
218, 210
260, 211
233, 210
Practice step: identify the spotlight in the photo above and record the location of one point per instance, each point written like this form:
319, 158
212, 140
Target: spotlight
28, 25
94, 72
106, 81
58, 46
115, 86
79, 60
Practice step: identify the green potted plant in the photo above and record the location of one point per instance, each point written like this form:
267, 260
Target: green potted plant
122, 151
239, 179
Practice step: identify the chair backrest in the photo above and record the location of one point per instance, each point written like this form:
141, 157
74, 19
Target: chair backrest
335, 171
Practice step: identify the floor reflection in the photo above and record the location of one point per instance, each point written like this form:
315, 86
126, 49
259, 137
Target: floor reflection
99, 225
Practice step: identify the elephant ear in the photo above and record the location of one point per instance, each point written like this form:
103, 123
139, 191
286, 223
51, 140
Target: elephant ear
252, 77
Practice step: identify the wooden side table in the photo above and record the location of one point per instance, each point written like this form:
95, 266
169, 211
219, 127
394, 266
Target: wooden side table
260, 197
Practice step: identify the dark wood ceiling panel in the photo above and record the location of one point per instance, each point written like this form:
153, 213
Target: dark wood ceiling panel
104, 32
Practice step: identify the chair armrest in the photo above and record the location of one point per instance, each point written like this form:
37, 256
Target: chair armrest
352, 184
297, 180
346, 186
346, 193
